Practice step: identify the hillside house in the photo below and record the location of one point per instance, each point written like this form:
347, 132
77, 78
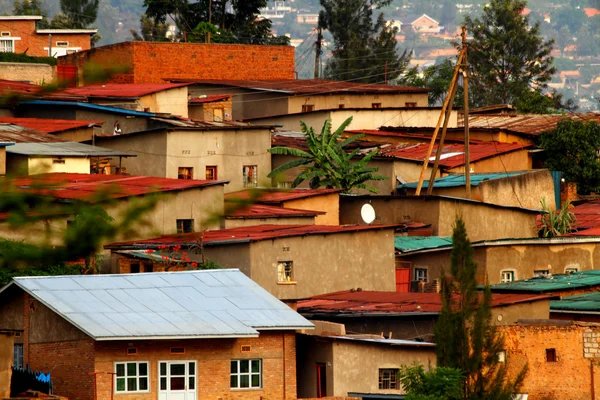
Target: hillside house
270, 98
423, 24
194, 334
215, 107
276, 256
19, 34
227, 150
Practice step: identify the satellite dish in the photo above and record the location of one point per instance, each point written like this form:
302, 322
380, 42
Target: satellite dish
367, 212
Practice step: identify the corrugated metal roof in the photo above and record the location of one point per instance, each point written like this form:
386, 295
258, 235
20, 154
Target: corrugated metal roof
244, 235
17, 87
358, 303
384, 341
278, 196
297, 140
587, 216
160, 305
313, 86
457, 180
19, 134
66, 31
50, 125
120, 90
87, 186
589, 302
68, 149
21, 17
529, 124
211, 98
406, 244
452, 154
577, 280
89, 106
265, 211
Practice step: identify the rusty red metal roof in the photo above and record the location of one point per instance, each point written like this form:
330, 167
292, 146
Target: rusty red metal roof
211, 98
313, 86
266, 211
587, 217
50, 125
453, 155
297, 140
406, 132
277, 196
118, 90
87, 187
19, 88
528, 124
394, 303
19, 134
244, 235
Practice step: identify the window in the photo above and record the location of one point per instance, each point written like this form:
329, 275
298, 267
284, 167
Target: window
502, 356
185, 225
134, 268
571, 270
420, 274
551, 355
5, 34
62, 44
507, 276
341, 106
250, 175
246, 374
185, 173
131, 377
388, 378
410, 105
308, 107
177, 350
7, 46
376, 105
285, 271
211, 172
18, 356
541, 273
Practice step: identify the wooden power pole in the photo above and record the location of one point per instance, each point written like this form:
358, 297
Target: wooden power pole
465, 71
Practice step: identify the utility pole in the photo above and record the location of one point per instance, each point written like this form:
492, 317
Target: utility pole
318, 51
49, 45
465, 71
385, 73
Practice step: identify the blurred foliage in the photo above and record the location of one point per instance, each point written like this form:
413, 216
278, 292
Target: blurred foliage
441, 383
24, 58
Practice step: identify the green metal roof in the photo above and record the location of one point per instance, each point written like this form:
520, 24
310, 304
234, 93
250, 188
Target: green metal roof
583, 302
406, 244
459, 180
575, 280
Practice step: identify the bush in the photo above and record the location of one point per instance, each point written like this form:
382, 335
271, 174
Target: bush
24, 58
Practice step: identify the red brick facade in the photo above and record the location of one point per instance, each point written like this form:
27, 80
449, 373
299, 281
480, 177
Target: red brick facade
152, 62
27, 40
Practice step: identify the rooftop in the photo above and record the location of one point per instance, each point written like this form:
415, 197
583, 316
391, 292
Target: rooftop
244, 235
458, 180
278, 196
66, 31
406, 132
19, 134
20, 17
406, 244
588, 302
50, 125
16, 87
297, 140
86, 186
313, 86
587, 216
163, 305
84, 105
528, 124
258, 211
120, 90
67, 149
369, 303
577, 280
211, 98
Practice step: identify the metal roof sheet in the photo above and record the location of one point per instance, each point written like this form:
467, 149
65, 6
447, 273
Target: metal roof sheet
68, 149
384, 341
278, 196
18, 134
20, 17
587, 217
529, 124
577, 280
457, 180
17, 87
267, 211
50, 125
589, 302
66, 31
89, 106
211, 98
160, 305
405, 244
120, 90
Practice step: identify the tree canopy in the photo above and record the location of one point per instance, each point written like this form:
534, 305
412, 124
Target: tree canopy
79, 13
31, 7
572, 147
507, 56
327, 162
365, 47
440, 383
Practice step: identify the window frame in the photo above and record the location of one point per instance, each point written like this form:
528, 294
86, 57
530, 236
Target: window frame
282, 273
392, 380
551, 355
376, 105
541, 273
185, 172
215, 172
7, 40
308, 108
571, 270
182, 229
127, 377
239, 374
508, 271
18, 359
246, 178
416, 275
62, 43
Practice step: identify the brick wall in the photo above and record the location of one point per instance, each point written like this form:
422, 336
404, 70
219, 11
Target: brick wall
152, 62
34, 73
576, 367
213, 357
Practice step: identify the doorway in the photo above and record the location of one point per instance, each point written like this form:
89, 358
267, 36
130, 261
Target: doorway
321, 380
177, 380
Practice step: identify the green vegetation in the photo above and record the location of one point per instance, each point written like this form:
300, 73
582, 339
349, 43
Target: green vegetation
556, 222
24, 58
466, 338
327, 163
436, 384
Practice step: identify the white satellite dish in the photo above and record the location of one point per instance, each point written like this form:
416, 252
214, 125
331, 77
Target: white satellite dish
367, 212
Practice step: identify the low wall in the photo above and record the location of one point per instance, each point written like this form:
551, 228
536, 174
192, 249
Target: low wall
34, 73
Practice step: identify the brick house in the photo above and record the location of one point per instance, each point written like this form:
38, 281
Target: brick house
185, 335
19, 34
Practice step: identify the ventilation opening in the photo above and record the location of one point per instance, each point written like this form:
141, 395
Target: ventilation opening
246, 348
177, 350
132, 350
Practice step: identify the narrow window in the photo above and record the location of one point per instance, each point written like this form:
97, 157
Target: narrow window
185, 225
285, 271
502, 356
541, 273
507, 276
410, 105
131, 377
388, 378
550, 355
246, 374
308, 107
376, 105
250, 173
211, 172
185, 173
7, 46
18, 356
420, 274
341, 106
62, 44
177, 350
571, 270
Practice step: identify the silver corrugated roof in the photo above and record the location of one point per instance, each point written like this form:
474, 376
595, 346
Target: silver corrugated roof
163, 305
67, 149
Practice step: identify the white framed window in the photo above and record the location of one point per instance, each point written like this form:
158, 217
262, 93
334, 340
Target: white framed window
285, 271
177, 378
5, 34
541, 273
246, 374
7, 46
571, 270
62, 44
250, 173
420, 274
507, 276
132, 377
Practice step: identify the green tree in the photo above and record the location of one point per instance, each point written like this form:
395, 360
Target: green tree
365, 47
327, 162
32, 7
507, 56
436, 384
76, 14
437, 78
572, 147
536, 102
150, 31
465, 336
